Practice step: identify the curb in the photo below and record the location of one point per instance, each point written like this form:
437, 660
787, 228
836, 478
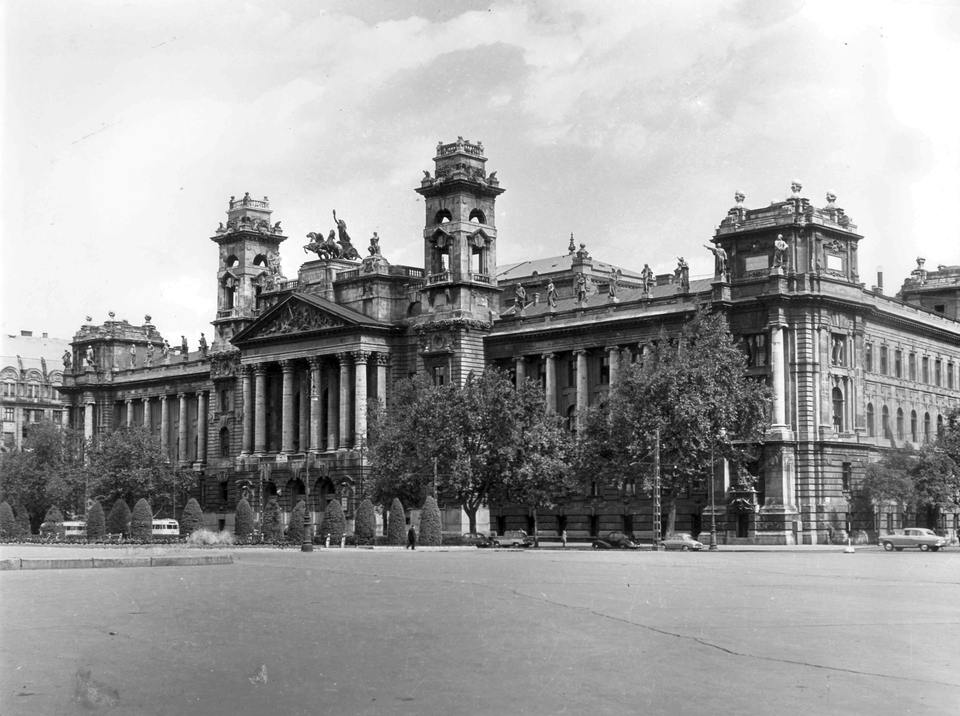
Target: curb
114, 562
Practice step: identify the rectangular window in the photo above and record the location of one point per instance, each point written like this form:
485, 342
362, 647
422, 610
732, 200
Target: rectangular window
605, 369
224, 401
898, 363
913, 366
937, 372
8, 414
440, 375
838, 349
868, 357
883, 360
847, 473
925, 368
223, 490
571, 372
630, 487
57, 416
950, 380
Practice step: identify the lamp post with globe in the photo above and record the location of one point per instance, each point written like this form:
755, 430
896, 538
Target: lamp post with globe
713, 495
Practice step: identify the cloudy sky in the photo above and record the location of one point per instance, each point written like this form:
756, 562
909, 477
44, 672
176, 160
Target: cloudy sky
127, 126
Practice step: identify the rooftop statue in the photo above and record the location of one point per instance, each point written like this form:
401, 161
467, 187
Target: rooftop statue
719, 261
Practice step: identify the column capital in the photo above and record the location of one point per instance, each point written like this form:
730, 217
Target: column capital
549, 356
580, 352
145, 399
128, 401
260, 368
612, 349
360, 356
345, 357
314, 361
382, 358
287, 365
245, 370
520, 359
181, 395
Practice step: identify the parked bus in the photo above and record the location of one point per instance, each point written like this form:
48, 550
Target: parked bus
74, 528
166, 528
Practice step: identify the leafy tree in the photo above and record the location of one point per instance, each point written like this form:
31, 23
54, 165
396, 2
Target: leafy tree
129, 462
397, 524
118, 521
295, 530
96, 523
53, 522
243, 521
334, 523
191, 519
365, 523
48, 471
693, 388
141, 523
890, 479
431, 526
473, 435
8, 523
272, 522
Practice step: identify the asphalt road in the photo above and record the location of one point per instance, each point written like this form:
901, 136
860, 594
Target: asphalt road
475, 632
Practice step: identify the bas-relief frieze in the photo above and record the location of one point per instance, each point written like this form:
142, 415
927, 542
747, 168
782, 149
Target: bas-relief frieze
298, 318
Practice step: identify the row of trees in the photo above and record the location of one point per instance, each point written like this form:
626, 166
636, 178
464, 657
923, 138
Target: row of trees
57, 467
489, 440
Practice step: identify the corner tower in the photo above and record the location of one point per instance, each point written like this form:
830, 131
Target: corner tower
460, 260
249, 259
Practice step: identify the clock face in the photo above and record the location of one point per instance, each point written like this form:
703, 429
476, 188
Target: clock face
437, 341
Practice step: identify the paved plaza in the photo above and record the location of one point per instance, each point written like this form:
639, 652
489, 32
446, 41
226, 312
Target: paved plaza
476, 632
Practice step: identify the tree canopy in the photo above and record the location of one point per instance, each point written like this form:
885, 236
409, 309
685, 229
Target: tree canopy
692, 388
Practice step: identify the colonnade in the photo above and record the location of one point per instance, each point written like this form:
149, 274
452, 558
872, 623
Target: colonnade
343, 375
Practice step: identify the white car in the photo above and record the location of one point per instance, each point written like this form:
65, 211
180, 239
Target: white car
913, 537
681, 541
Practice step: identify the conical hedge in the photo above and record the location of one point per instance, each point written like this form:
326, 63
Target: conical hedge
96, 522
53, 522
141, 523
272, 523
431, 527
334, 523
365, 523
8, 523
243, 522
397, 525
295, 528
23, 522
191, 519
118, 521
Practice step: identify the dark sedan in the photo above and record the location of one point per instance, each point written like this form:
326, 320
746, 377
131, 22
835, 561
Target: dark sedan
477, 539
615, 540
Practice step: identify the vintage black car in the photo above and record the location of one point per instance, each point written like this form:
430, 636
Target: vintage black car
616, 540
477, 539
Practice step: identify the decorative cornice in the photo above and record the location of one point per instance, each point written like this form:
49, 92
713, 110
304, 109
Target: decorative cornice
452, 323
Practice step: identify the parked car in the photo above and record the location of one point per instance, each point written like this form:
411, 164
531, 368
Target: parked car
616, 540
477, 539
681, 541
513, 538
913, 537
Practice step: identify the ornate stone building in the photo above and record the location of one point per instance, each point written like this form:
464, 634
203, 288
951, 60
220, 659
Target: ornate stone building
31, 376
279, 401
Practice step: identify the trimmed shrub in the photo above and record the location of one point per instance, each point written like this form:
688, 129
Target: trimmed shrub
8, 523
295, 528
191, 519
96, 523
23, 522
272, 523
365, 524
397, 526
209, 537
118, 521
243, 522
334, 523
431, 528
141, 524
53, 522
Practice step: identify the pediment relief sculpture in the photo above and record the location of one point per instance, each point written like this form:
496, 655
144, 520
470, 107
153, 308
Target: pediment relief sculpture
298, 318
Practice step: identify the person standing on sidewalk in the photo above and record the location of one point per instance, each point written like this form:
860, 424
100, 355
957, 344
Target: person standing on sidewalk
563, 539
412, 537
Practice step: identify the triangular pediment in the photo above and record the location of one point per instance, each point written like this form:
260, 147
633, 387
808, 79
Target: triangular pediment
299, 314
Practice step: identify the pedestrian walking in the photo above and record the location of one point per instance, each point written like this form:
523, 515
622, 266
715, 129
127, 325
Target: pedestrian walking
563, 539
412, 537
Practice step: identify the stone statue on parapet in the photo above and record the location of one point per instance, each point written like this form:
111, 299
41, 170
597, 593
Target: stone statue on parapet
324, 249
67, 360
374, 247
349, 252
647, 277
580, 287
682, 273
551, 295
780, 252
614, 286
719, 261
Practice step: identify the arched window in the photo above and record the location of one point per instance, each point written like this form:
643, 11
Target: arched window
572, 418
477, 217
885, 421
939, 426
871, 431
838, 409
442, 217
926, 427
913, 425
899, 423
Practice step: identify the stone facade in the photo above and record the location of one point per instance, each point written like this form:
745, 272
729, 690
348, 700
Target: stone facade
31, 373
278, 404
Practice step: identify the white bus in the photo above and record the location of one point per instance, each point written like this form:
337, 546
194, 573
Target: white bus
166, 528
74, 528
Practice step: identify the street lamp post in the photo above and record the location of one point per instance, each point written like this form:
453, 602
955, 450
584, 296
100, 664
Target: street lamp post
713, 498
307, 545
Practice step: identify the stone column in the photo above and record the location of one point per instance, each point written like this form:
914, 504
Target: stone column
360, 397
165, 425
520, 364
65, 416
129, 404
260, 409
88, 421
183, 452
344, 436
333, 405
202, 426
776, 369
147, 422
246, 386
614, 353
286, 417
383, 360
305, 392
315, 402
550, 389
583, 397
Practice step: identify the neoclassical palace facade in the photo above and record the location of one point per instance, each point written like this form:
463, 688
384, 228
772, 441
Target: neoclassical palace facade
277, 404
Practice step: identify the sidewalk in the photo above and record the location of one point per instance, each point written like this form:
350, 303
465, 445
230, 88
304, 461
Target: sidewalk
28, 556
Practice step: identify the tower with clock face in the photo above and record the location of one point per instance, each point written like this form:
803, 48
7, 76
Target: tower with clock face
459, 296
